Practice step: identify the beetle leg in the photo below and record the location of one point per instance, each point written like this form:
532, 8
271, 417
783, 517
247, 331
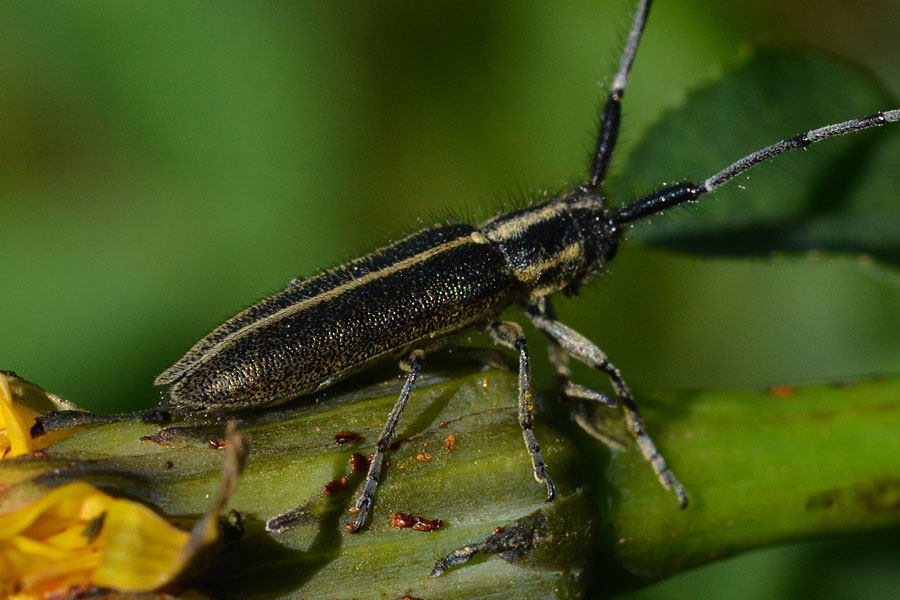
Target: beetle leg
579, 347
65, 419
511, 543
414, 364
582, 401
559, 358
510, 334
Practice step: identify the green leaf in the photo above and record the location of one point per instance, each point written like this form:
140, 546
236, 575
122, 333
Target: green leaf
839, 195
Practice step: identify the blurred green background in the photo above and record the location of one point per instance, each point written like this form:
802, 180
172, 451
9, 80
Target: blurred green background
164, 164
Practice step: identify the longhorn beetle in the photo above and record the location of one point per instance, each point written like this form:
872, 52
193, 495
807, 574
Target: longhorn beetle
412, 296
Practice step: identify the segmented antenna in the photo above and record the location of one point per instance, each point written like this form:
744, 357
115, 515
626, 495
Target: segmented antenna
612, 112
685, 192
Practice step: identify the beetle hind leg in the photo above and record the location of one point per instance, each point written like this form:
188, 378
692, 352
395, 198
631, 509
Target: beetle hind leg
413, 364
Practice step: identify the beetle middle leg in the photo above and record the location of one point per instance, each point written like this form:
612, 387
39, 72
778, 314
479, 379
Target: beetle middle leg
579, 347
414, 365
510, 334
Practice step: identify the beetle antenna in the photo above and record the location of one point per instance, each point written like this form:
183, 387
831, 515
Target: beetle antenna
612, 111
680, 193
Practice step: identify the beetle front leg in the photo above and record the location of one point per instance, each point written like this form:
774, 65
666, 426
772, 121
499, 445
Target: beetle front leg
510, 334
414, 365
581, 348
559, 358
582, 400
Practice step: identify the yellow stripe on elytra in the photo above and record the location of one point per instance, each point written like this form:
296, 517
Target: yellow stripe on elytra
336, 292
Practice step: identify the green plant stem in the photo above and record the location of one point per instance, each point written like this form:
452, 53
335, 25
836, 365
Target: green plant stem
760, 468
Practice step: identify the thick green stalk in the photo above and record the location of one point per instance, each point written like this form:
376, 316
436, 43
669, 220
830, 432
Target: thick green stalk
759, 468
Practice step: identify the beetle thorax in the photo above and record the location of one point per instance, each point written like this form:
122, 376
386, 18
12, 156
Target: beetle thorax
557, 245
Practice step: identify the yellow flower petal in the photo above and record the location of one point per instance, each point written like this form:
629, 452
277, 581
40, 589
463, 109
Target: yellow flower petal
143, 551
74, 537
77, 535
15, 424
16, 420
42, 546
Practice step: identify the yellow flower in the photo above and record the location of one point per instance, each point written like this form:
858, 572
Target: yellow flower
77, 536
17, 416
